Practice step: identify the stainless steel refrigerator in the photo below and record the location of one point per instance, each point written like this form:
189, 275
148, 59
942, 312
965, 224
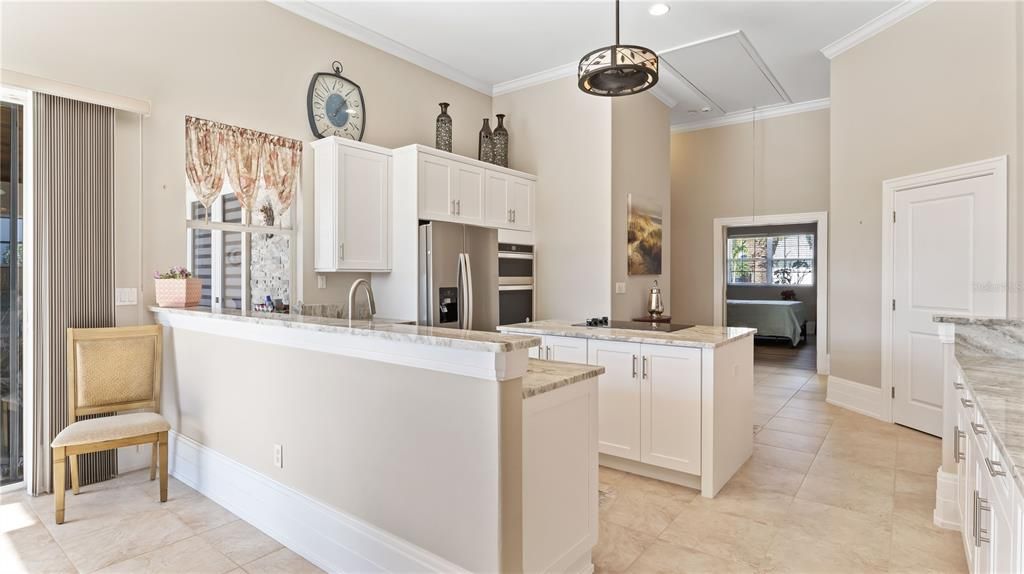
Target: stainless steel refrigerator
458, 276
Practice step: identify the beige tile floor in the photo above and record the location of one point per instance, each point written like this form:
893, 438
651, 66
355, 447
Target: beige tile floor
120, 526
825, 491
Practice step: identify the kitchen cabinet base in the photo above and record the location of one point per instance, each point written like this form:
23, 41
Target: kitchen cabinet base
651, 471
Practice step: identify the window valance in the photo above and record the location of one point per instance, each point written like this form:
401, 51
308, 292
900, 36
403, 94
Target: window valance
247, 159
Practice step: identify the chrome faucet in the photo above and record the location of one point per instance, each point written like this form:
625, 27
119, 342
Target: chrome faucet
369, 298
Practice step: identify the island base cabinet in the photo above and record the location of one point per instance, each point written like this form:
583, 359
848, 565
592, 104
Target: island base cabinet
650, 403
670, 420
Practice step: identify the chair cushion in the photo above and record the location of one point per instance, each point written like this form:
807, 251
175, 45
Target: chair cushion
111, 428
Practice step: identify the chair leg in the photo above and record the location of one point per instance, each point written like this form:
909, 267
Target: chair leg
163, 466
152, 463
58, 483
74, 473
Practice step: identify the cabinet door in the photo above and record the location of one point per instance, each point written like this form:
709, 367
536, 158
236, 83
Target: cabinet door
436, 188
498, 211
520, 193
363, 211
565, 349
618, 397
469, 194
1004, 538
670, 407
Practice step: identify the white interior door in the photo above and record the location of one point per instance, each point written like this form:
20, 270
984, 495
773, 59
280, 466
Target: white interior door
949, 257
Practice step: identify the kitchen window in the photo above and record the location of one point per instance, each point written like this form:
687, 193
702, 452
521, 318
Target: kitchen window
772, 260
241, 260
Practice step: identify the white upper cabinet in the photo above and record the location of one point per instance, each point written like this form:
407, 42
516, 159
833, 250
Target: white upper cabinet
462, 190
469, 193
352, 208
520, 203
499, 214
436, 182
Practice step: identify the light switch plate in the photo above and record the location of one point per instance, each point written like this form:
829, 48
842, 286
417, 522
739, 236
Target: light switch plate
321, 281
126, 296
620, 287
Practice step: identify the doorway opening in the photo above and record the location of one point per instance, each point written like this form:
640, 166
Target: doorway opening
771, 273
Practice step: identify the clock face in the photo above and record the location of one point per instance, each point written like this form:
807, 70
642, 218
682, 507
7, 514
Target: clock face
336, 107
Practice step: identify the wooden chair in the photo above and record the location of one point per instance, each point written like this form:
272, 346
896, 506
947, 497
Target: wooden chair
111, 370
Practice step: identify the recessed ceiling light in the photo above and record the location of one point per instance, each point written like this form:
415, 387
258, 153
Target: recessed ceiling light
705, 109
659, 9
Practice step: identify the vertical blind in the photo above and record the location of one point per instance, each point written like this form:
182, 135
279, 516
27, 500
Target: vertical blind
74, 256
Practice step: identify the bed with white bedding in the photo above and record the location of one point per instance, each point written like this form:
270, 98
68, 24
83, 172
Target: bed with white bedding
783, 319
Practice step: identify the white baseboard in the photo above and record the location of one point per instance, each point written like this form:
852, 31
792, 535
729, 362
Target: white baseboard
327, 537
947, 513
856, 397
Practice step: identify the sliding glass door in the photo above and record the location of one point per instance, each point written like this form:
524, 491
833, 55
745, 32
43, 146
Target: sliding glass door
11, 236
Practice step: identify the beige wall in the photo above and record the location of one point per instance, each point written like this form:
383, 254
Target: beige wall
712, 177
938, 89
564, 137
247, 64
640, 165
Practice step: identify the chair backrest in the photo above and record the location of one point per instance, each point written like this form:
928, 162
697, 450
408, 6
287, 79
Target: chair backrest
114, 369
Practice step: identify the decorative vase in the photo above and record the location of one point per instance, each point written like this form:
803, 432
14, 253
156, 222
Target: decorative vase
443, 132
485, 151
178, 292
500, 139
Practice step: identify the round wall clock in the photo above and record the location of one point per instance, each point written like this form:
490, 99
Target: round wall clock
335, 104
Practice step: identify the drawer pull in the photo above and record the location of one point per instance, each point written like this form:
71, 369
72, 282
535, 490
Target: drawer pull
995, 468
634, 366
978, 429
982, 536
958, 456
967, 403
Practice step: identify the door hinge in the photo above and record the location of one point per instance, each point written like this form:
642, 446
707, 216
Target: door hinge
893, 393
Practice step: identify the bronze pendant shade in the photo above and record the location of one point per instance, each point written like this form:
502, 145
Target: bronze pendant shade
618, 70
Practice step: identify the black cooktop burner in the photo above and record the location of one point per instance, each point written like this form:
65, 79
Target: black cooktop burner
633, 325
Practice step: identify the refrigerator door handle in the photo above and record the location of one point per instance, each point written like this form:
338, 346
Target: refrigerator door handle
460, 284
469, 291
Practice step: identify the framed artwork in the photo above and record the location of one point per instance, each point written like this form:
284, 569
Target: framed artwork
643, 236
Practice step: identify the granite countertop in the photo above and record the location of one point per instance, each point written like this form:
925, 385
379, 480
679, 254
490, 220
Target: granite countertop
543, 376
990, 353
697, 336
391, 331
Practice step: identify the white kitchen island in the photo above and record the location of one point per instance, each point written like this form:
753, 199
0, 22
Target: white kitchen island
377, 447
673, 406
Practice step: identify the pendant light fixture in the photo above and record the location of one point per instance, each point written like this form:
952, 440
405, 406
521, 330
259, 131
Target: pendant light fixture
618, 70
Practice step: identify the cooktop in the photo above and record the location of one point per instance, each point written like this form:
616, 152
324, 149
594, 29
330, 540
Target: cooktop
633, 325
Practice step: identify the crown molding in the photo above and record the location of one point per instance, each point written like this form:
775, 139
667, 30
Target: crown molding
316, 13
748, 115
542, 77
882, 22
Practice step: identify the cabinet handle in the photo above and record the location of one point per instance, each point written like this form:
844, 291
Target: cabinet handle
644, 374
995, 468
967, 403
634, 366
547, 352
341, 251
978, 429
956, 444
513, 216
981, 535
451, 210
458, 207
508, 216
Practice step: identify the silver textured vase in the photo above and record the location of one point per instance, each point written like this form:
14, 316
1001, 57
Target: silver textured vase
443, 131
485, 150
500, 139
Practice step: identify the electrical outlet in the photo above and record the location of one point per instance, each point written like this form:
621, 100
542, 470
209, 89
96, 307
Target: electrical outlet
278, 456
620, 288
321, 281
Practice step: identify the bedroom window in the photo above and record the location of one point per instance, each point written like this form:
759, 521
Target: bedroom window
771, 260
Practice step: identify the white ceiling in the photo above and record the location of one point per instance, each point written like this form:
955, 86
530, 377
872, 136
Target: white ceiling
489, 43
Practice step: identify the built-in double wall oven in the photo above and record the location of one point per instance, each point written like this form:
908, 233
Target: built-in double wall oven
515, 283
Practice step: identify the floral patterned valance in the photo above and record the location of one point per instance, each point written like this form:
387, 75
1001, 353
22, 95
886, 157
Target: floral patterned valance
247, 158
